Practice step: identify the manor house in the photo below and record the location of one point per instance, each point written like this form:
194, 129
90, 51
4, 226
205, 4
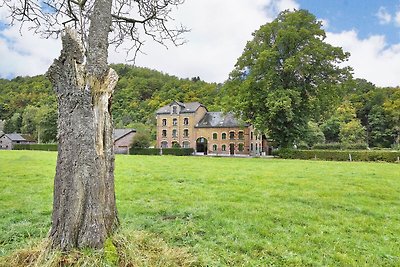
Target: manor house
190, 125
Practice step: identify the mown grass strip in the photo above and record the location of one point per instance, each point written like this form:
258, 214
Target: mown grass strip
228, 211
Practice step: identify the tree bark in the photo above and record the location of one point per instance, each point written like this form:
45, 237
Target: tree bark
84, 208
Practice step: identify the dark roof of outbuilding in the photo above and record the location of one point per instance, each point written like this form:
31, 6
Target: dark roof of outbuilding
15, 137
190, 107
119, 133
220, 120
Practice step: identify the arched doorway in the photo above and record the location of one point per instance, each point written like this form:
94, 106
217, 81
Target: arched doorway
232, 149
201, 145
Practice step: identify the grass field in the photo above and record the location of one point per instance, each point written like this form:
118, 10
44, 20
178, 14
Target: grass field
228, 211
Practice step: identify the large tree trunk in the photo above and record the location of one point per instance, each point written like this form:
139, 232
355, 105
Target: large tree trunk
84, 209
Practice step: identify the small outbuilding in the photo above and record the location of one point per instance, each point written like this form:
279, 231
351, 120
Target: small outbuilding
123, 140
7, 141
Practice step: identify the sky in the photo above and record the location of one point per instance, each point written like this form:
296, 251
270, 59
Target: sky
368, 29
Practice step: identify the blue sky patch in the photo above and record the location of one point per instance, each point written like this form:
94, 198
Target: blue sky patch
368, 18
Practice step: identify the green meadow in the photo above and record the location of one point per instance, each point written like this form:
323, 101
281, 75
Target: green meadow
226, 211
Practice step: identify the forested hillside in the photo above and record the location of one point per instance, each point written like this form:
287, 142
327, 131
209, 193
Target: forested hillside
362, 113
28, 104
140, 92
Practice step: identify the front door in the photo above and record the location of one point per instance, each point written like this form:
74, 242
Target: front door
201, 145
232, 149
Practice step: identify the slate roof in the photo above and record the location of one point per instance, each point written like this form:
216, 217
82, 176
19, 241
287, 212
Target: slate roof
190, 107
220, 120
15, 137
119, 133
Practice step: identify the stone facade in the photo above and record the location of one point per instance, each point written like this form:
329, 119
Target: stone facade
191, 126
7, 141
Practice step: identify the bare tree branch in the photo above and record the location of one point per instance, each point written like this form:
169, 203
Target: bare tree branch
132, 20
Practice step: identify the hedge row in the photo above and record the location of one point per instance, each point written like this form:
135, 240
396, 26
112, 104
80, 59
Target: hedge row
165, 151
43, 147
339, 155
178, 151
144, 151
339, 146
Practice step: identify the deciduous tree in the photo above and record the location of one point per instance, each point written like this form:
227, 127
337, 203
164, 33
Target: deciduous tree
282, 72
84, 209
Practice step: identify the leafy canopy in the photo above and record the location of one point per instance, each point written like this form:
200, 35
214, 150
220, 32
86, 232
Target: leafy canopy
283, 73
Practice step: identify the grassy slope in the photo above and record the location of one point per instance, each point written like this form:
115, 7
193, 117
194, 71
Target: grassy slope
229, 211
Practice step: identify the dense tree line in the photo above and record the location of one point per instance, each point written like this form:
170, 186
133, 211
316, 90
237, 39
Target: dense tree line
28, 104
359, 112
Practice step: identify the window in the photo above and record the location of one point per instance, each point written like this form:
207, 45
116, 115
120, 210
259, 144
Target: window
186, 133
174, 110
256, 147
215, 136
174, 122
164, 144
215, 147
164, 122
251, 135
223, 147
232, 135
185, 144
241, 135
223, 136
241, 147
186, 121
164, 133
251, 147
174, 133
175, 144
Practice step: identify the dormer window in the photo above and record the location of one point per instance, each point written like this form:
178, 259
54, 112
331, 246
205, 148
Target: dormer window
174, 110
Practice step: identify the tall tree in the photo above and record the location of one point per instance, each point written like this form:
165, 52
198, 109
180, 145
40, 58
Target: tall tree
14, 124
84, 209
282, 72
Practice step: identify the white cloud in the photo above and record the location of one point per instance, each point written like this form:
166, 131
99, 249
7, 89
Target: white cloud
287, 4
383, 16
372, 59
219, 32
325, 23
397, 18
25, 54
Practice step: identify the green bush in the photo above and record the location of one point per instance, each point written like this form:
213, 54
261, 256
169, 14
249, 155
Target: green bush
178, 151
339, 155
355, 146
338, 146
144, 151
331, 146
42, 147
